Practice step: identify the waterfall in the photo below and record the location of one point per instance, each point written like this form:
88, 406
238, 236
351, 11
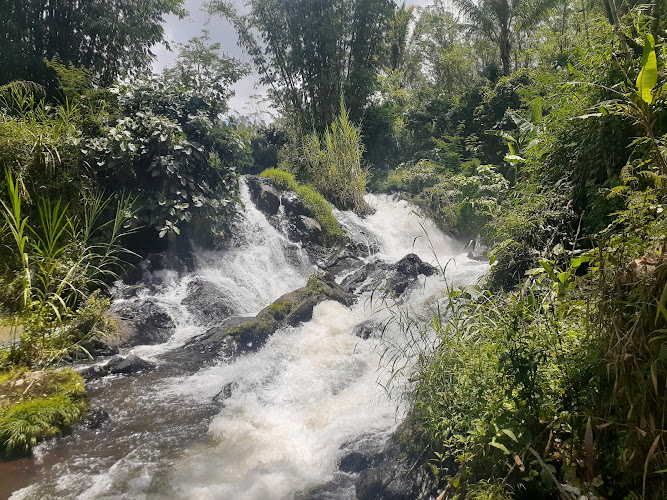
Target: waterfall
270, 424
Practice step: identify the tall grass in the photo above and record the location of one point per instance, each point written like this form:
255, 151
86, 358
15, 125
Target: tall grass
63, 258
332, 164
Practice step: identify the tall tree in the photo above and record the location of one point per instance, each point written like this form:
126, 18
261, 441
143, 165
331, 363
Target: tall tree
313, 51
399, 27
201, 64
114, 37
499, 20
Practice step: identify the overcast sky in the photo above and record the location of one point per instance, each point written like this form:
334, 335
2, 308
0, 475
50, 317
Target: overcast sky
181, 30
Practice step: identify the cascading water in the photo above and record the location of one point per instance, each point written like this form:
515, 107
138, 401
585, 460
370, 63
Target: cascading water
290, 411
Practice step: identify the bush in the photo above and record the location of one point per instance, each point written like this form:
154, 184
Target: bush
414, 179
508, 368
331, 164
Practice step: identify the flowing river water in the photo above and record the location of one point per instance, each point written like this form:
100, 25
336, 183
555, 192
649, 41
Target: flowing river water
292, 409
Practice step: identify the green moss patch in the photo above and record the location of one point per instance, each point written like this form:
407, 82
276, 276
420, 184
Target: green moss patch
38, 405
314, 202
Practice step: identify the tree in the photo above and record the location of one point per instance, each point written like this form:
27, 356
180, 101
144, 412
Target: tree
499, 20
313, 51
114, 37
399, 26
200, 64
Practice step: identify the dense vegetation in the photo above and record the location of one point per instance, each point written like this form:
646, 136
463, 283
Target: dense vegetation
535, 129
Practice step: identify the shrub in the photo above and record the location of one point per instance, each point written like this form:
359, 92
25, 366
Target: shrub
507, 366
414, 179
332, 164
463, 203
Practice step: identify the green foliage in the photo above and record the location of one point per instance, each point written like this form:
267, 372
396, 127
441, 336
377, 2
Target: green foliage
312, 52
113, 38
52, 402
200, 64
171, 151
414, 179
314, 202
507, 366
332, 163
62, 259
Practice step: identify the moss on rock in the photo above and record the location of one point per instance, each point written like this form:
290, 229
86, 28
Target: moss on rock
38, 405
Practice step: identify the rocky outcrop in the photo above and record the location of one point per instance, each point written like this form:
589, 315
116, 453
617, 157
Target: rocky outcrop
117, 365
393, 476
143, 322
206, 302
296, 221
392, 278
263, 194
236, 335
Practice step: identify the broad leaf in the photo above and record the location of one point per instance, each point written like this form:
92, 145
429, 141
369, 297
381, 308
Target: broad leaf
648, 76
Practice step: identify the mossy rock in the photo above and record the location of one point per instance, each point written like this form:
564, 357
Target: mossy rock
38, 405
242, 334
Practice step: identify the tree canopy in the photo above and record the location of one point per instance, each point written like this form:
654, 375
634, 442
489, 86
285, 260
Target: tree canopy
311, 52
111, 37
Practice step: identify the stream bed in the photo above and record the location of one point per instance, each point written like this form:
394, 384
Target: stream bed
273, 423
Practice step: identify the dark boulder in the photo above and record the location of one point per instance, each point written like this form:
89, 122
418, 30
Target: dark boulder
206, 302
144, 322
129, 365
367, 329
293, 204
307, 230
263, 194
235, 335
393, 476
356, 462
95, 418
118, 365
100, 347
393, 278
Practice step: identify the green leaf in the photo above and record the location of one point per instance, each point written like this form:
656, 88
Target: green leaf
500, 447
648, 76
510, 434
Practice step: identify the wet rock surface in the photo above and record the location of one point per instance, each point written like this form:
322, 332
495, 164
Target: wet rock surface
144, 323
393, 278
263, 194
206, 302
96, 418
242, 334
286, 212
118, 365
393, 476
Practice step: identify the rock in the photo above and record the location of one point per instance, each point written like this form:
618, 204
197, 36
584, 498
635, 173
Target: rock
356, 462
393, 478
392, 278
308, 230
293, 204
263, 194
235, 335
93, 372
366, 329
206, 301
125, 366
100, 347
225, 393
95, 418
145, 322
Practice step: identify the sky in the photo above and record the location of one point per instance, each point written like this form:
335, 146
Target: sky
181, 30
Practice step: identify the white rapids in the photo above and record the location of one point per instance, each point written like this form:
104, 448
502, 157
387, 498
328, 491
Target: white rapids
292, 409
